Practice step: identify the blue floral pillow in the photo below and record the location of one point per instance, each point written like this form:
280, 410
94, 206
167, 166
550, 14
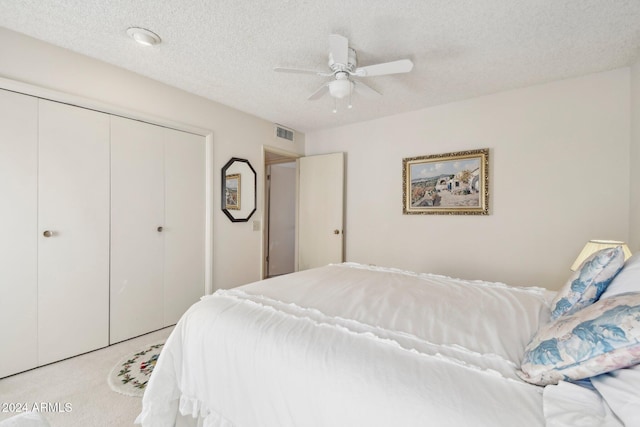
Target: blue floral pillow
598, 339
585, 286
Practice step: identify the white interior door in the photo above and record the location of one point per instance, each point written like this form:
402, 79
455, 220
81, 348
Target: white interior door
137, 213
320, 210
73, 211
18, 245
184, 231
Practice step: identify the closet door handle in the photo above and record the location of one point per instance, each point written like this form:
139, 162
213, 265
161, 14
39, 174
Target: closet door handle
48, 233
160, 229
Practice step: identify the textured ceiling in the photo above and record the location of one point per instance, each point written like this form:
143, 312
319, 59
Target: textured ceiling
225, 50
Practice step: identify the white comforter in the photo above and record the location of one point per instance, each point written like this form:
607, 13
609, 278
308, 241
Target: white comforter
351, 345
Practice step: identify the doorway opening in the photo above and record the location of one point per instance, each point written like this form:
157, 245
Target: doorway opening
279, 231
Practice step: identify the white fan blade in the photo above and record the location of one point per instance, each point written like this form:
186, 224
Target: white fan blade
318, 93
301, 71
365, 90
339, 49
395, 67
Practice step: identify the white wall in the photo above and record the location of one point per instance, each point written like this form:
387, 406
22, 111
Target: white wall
634, 211
559, 175
237, 248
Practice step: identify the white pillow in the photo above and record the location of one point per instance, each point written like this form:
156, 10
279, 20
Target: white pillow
628, 280
621, 390
26, 419
568, 404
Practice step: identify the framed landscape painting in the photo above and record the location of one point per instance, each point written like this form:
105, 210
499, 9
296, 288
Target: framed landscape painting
446, 184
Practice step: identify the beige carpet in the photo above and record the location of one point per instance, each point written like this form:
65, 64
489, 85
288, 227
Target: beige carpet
76, 390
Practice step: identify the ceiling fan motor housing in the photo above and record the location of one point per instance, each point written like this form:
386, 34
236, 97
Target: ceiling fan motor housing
351, 65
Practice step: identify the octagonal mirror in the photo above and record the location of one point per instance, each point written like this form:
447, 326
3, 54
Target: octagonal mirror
238, 190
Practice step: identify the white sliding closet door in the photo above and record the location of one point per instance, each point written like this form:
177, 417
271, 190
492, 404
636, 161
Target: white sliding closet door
157, 226
73, 231
137, 228
105, 221
185, 222
18, 245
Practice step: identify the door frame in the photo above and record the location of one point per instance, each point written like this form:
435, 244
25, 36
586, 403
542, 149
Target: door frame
270, 156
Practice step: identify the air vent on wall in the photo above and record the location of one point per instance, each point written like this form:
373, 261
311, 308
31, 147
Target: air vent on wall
284, 133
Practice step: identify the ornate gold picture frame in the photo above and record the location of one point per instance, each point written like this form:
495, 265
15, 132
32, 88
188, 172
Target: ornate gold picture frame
446, 184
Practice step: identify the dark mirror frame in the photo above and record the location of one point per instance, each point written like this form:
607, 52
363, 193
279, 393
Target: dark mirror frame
244, 182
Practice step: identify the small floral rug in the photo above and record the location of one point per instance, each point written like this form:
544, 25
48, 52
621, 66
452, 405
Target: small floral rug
131, 374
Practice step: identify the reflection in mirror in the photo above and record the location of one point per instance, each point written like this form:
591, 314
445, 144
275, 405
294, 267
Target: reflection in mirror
232, 192
238, 190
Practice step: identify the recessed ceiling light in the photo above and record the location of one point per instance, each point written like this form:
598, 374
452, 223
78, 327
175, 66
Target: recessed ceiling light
143, 36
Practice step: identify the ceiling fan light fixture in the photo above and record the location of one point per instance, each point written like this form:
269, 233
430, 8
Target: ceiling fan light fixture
340, 88
143, 36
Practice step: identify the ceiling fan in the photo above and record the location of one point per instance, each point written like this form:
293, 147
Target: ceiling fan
343, 68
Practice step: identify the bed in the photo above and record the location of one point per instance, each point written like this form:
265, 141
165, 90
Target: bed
359, 345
